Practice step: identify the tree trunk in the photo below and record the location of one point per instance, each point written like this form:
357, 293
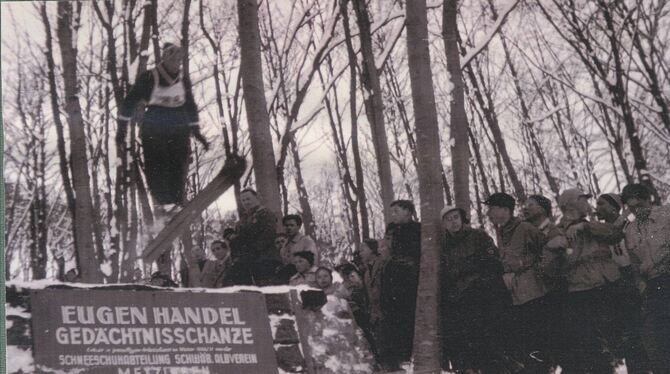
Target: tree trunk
374, 107
303, 197
359, 188
460, 152
426, 344
258, 119
492, 122
67, 21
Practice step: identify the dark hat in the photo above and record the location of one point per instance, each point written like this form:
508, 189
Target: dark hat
543, 202
637, 190
501, 199
612, 199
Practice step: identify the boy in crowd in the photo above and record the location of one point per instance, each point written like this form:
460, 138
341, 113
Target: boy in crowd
296, 242
306, 271
648, 239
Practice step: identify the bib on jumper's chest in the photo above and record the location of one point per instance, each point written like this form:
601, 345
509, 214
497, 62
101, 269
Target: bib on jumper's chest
172, 96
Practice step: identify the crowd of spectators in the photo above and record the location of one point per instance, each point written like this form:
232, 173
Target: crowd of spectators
581, 292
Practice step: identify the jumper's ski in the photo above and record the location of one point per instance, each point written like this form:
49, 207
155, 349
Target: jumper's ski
232, 170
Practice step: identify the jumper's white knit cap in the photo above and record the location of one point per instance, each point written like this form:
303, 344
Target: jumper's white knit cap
170, 49
447, 209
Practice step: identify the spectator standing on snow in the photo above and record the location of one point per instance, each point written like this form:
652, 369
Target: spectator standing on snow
402, 277
589, 305
521, 246
473, 295
648, 238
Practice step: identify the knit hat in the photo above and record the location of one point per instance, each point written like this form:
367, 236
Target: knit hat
501, 199
543, 202
613, 200
450, 208
447, 209
637, 190
169, 50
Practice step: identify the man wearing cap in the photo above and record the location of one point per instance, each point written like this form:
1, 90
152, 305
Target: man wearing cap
521, 246
648, 239
590, 271
473, 295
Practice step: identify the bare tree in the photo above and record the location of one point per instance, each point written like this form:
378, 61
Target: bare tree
460, 151
426, 344
68, 23
256, 106
374, 106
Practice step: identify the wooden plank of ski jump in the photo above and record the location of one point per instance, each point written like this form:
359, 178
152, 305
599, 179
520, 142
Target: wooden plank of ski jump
232, 171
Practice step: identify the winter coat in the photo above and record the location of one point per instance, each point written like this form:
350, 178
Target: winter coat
521, 246
405, 241
214, 273
373, 281
552, 262
255, 237
299, 243
649, 242
589, 261
471, 268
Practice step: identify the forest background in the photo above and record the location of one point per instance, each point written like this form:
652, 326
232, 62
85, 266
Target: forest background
529, 96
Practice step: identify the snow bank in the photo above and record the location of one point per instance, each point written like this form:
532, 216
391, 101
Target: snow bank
21, 360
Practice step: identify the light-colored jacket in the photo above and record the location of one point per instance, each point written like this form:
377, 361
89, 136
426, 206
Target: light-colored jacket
214, 273
299, 243
589, 262
521, 246
649, 242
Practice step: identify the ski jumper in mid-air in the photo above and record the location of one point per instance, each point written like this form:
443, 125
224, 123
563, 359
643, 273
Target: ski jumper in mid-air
170, 118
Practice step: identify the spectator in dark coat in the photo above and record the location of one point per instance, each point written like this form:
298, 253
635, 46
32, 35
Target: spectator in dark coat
402, 278
473, 295
648, 239
373, 279
254, 254
521, 247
